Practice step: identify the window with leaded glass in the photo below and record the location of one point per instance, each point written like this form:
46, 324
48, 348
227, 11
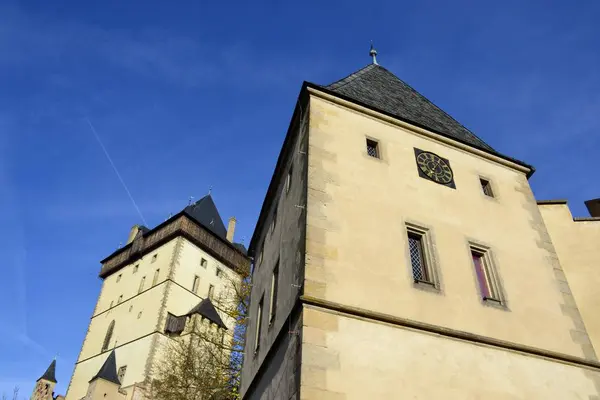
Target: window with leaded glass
372, 148
418, 261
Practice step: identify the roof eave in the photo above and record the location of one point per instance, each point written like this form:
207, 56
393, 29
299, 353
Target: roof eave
315, 86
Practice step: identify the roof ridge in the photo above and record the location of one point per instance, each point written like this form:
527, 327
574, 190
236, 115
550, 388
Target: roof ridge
338, 84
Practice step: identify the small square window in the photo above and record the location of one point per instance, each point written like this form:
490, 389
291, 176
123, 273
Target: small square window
196, 284
154, 257
135, 268
486, 277
203, 262
119, 277
373, 148
219, 272
211, 291
486, 186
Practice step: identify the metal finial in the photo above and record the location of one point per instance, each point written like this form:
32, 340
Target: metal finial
210, 190
373, 53
190, 200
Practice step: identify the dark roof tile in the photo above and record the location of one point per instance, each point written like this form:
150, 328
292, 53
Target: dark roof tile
108, 371
205, 212
50, 374
377, 87
208, 310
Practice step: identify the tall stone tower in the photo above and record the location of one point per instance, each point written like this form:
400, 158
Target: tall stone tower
44, 386
162, 278
399, 256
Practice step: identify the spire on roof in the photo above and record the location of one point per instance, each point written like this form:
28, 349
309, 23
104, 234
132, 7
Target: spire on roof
108, 371
50, 374
206, 309
373, 54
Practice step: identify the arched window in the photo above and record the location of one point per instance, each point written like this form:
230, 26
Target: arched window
108, 336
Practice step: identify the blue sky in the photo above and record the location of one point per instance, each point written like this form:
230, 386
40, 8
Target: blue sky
189, 95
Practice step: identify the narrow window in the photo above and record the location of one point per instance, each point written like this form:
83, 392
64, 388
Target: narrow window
111, 304
155, 279
486, 186
139, 315
121, 373
118, 277
108, 336
488, 286
119, 299
135, 268
418, 260
154, 257
372, 148
196, 284
274, 289
203, 262
219, 272
274, 220
260, 255
130, 308
258, 324
142, 284
288, 180
211, 291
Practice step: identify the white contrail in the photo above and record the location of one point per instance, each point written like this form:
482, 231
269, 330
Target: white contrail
116, 170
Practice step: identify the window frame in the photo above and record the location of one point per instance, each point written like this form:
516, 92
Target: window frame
218, 272
203, 262
274, 292
486, 187
489, 275
108, 336
195, 284
288, 179
155, 278
154, 258
375, 144
428, 257
259, 312
136, 267
119, 278
142, 282
121, 376
211, 291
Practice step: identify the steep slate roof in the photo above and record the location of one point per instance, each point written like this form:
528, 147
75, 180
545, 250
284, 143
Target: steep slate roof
207, 310
50, 374
378, 88
108, 371
205, 212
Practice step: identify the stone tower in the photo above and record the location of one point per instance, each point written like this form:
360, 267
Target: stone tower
44, 386
397, 255
151, 288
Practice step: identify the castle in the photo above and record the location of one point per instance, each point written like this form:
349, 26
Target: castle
396, 255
